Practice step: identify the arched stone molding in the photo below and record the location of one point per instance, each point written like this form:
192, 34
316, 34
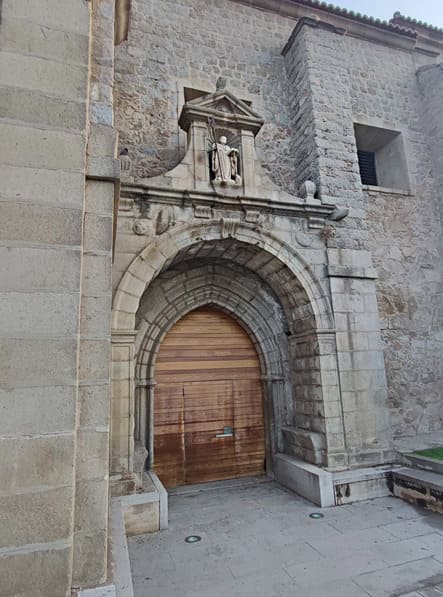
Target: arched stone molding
245, 298
161, 252
312, 351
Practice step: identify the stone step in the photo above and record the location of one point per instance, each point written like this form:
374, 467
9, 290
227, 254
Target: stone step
422, 462
421, 487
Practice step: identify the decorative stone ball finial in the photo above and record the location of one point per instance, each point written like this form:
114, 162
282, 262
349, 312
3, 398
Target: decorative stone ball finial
220, 84
308, 190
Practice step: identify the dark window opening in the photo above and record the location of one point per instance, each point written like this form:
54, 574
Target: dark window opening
366, 162
381, 157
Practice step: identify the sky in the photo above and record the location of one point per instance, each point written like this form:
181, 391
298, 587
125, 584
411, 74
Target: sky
429, 11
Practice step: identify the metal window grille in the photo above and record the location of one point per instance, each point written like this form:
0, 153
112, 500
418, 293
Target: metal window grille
366, 161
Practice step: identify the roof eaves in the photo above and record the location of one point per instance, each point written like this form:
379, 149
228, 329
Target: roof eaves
398, 18
356, 16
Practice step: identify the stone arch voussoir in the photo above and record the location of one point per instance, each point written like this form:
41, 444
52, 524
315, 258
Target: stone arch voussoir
158, 254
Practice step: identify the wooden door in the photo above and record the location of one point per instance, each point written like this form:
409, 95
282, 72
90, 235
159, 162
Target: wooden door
208, 383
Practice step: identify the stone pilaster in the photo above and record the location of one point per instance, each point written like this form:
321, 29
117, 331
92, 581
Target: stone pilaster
93, 431
123, 406
361, 367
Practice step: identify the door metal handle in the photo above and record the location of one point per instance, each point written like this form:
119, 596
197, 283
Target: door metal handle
227, 432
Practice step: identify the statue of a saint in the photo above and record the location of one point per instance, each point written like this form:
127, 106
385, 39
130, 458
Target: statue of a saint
225, 162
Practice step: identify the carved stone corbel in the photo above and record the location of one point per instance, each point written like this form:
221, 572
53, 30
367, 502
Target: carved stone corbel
229, 227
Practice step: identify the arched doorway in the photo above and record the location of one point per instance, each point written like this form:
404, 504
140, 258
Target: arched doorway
208, 406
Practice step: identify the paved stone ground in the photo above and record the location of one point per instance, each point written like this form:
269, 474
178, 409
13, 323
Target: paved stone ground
258, 540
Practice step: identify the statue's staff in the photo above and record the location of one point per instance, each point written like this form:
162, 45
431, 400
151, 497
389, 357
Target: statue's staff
211, 130
213, 141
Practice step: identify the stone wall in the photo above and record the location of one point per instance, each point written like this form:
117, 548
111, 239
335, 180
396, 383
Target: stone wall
376, 85
315, 54
405, 233
44, 64
172, 45
310, 99
58, 171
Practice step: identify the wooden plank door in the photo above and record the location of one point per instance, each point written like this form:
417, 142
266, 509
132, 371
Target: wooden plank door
249, 427
208, 411
208, 379
169, 445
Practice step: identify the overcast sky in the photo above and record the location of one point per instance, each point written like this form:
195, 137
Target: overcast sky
430, 11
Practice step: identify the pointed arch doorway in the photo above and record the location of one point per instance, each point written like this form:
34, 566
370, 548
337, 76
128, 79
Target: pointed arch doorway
208, 406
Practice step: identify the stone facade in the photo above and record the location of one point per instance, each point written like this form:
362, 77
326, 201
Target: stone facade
323, 80
339, 284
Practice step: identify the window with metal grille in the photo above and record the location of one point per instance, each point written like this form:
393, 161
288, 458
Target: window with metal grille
366, 161
381, 157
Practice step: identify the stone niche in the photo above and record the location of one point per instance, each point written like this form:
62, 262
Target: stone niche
221, 154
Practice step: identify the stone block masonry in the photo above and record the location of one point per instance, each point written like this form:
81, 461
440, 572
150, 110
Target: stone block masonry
192, 44
40, 288
405, 229
56, 232
334, 297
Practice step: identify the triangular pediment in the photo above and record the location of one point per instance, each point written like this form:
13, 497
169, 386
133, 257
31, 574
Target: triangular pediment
224, 108
224, 101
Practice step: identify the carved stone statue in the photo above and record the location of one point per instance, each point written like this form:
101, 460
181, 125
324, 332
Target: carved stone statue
225, 162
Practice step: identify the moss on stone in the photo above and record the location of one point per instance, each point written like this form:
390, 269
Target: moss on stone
436, 453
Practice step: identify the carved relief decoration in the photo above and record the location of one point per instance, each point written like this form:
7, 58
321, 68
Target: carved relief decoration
141, 226
202, 211
164, 221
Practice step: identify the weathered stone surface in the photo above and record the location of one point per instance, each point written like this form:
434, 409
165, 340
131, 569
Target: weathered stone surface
65, 17
45, 64
42, 187
97, 274
25, 269
99, 197
24, 36
89, 554
97, 232
38, 74
42, 517
93, 452
31, 314
38, 148
34, 107
24, 459
37, 573
48, 361
25, 410
40, 224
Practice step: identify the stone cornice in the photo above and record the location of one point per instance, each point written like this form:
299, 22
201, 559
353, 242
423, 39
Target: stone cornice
189, 198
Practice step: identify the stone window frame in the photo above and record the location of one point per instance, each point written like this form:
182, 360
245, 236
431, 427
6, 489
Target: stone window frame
387, 133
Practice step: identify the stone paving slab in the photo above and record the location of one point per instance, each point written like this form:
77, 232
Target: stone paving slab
258, 540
